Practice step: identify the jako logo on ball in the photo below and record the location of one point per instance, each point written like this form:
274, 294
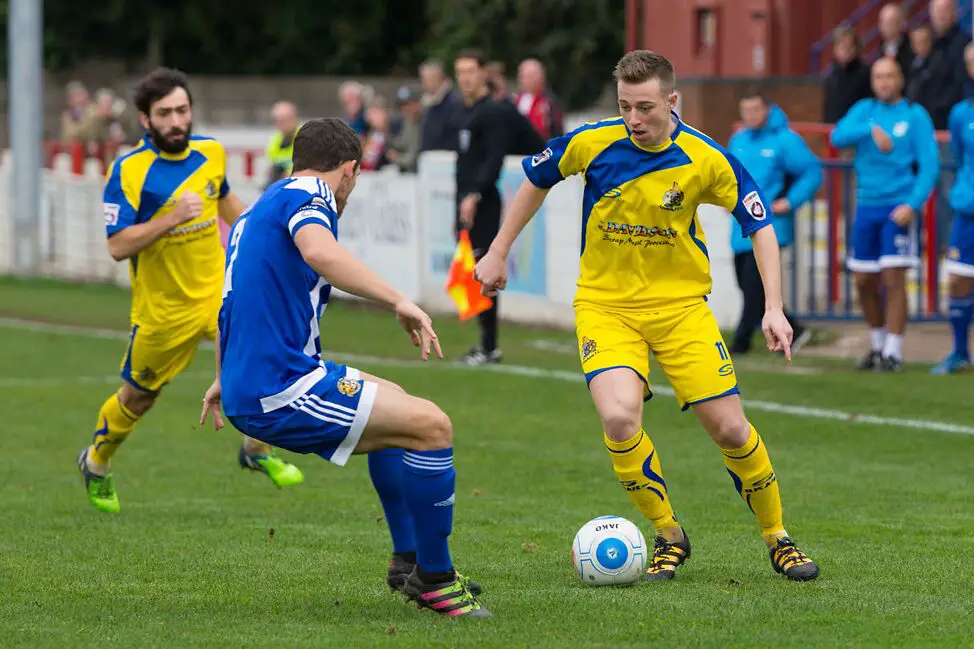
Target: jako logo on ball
609, 551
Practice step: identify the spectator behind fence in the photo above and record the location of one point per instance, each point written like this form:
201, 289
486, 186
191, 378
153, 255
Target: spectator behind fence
442, 109
848, 79
110, 130
960, 246
789, 174
500, 89
281, 144
895, 42
353, 97
79, 121
897, 165
918, 79
403, 148
376, 142
947, 75
535, 102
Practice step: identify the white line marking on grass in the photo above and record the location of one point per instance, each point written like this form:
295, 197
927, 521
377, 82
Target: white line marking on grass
536, 372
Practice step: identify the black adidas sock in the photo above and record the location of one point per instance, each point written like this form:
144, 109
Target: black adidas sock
408, 557
429, 578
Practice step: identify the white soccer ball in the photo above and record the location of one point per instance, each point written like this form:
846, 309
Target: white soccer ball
608, 551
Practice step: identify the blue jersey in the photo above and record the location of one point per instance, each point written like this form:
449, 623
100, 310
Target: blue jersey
907, 174
962, 144
272, 299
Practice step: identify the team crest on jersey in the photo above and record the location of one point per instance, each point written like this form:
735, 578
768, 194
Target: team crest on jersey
589, 348
754, 206
900, 129
541, 157
348, 387
673, 198
211, 189
111, 211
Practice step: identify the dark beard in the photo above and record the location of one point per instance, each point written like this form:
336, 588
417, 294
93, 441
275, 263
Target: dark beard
170, 146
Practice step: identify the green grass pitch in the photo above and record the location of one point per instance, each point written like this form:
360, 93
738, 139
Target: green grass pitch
206, 555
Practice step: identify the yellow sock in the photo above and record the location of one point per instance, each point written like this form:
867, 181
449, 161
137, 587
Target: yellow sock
750, 468
115, 422
638, 468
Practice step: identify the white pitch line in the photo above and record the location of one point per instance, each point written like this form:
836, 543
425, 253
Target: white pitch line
536, 372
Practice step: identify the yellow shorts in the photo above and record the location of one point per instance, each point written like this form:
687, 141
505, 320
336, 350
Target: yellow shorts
685, 341
155, 356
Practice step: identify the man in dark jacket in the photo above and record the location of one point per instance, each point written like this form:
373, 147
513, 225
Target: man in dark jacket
848, 79
947, 73
895, 43
442, 109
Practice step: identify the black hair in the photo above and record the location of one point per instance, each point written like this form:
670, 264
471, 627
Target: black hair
324, 144
755, 91
156, 85
472, 53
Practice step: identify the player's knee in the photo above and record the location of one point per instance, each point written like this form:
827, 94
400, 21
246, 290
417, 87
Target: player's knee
959, 287
620, 423
138, 401
894, 278
436, 429
731, 432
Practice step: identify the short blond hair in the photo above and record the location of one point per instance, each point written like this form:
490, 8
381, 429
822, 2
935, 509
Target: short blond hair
642, 65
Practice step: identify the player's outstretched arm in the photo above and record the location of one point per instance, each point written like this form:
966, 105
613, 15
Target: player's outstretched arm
491, 270
134, 239
777, 331
346, 272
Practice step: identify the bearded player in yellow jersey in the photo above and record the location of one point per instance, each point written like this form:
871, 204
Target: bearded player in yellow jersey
161, 204
645, 275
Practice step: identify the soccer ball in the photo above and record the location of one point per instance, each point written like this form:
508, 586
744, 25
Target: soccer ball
608, 551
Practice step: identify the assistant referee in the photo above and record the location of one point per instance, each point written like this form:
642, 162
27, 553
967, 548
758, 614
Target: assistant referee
481, 147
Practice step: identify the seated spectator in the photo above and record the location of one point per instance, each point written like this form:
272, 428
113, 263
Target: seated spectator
918, 78
403, 148
443, 110
377, 139
847, 80
895, 43
352, 95
947, 74
79, 119
535, 102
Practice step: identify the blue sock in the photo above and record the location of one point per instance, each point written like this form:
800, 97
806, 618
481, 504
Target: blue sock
386, 469
428, 482
961, 311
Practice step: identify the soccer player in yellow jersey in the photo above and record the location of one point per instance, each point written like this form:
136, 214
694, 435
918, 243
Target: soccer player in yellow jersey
161, 205
645, 275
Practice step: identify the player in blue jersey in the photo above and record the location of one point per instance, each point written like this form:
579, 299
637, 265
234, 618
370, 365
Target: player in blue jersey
283, 258
896, 164
960, 250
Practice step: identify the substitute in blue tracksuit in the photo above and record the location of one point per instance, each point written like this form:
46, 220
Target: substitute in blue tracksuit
896, 164
960, 251
789, 173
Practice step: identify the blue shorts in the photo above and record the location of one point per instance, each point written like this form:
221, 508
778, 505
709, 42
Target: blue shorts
960, 248
325, 413
878, 242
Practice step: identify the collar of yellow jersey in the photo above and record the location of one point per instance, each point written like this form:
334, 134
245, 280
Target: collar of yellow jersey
147, 140
664, 145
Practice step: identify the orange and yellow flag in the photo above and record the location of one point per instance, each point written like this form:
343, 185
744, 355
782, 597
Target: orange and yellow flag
460, 283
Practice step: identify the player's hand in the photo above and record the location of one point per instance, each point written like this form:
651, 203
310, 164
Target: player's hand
491, 272
468, 210
903, 215
419, 326
211, 405
777, 332
882, 139
188, 207
781, 206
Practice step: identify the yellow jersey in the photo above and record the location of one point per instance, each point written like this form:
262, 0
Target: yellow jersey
179, 278
642, 244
